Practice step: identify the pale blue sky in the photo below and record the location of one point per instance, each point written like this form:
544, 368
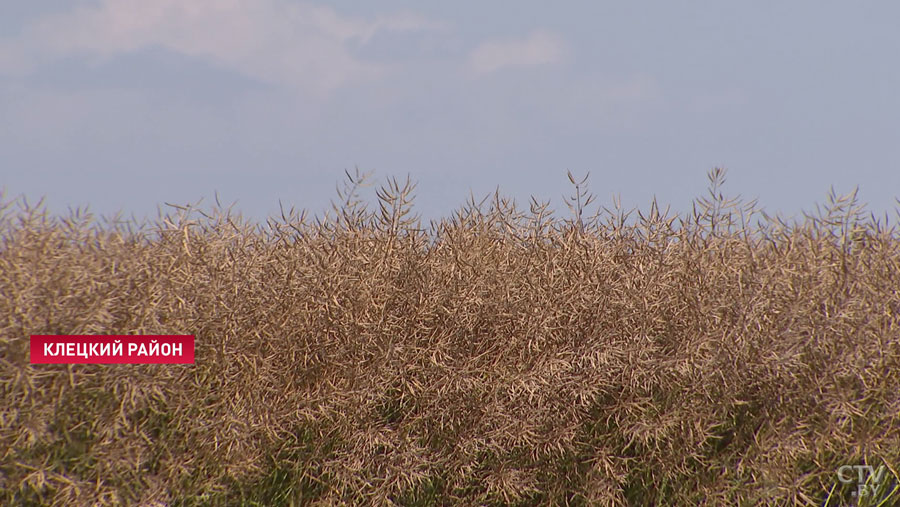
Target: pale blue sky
124, 104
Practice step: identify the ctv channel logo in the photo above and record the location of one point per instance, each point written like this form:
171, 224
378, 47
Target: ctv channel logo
866, 477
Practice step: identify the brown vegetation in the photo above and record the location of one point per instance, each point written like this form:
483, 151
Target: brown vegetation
498, 357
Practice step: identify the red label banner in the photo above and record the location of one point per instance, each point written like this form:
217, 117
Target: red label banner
112, 349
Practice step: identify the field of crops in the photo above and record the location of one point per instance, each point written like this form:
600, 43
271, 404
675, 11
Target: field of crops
501, 355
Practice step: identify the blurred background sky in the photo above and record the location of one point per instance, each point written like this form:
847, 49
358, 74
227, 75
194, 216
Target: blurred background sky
125, 104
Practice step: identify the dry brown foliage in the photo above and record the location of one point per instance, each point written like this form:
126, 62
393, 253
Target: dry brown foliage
498, 356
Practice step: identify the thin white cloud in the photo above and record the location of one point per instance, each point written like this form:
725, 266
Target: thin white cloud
538, 48
302, 46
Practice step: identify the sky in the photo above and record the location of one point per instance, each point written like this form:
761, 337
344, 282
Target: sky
123, 105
